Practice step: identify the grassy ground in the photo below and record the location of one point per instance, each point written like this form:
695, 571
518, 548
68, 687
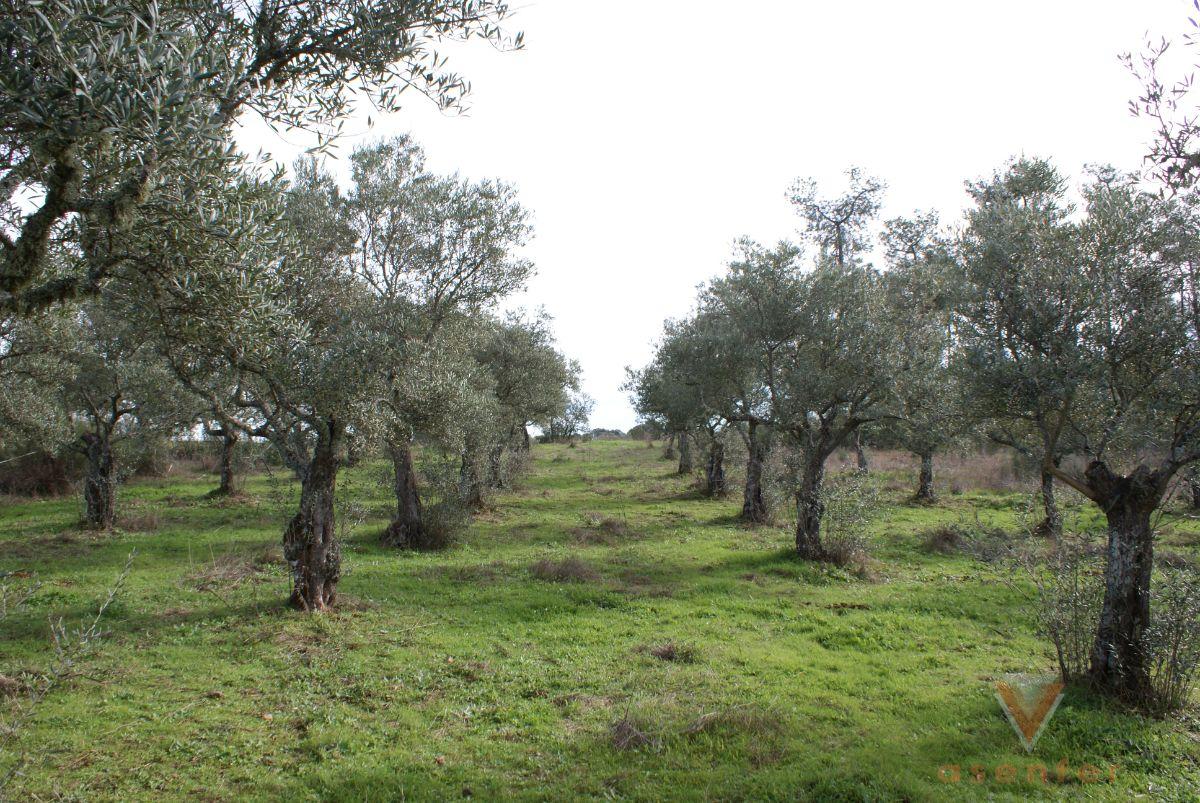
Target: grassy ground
505, 669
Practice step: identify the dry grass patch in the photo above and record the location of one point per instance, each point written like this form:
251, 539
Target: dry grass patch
740, 718
567, 570
601, 530
234, 568
673, 652
631, 733
146, 521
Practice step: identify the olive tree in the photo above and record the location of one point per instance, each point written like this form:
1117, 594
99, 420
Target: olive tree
1025, 294
832, 349
104, 381
1097, 347
571, 421
531, 380
432, 250
930, 413
106, 104
658, 393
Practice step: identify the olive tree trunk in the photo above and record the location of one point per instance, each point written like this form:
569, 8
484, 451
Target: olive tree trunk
810, 508
714, 470
495, 477
754, 507
100, 482
407, 528
669, 447
1118, 655
229, 441
860, 453
1119, 663
925, 478
1051, 525
686, 466
1193, 481
310, 543
470, 478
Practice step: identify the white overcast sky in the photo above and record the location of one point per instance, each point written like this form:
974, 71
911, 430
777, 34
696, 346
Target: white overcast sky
647, 135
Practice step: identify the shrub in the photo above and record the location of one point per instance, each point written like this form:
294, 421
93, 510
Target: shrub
1070, 590
36, 473
851, 500
1173, 638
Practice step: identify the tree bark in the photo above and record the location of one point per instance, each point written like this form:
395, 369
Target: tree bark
925, 479
407, 528
686, 466
525, 444
669, 447
495, 477
754, 507
310, 542
861, 453
470, 479
229, 441
1193, 481
810, 508
1051, 525
714, 470
100, 483
1119, 662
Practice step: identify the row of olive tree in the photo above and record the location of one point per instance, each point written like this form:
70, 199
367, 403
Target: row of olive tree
150, 276
338, 321
1061, 332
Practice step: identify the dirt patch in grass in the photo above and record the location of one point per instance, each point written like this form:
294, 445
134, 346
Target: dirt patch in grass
640, 584
567, 570
602, 530
672, 652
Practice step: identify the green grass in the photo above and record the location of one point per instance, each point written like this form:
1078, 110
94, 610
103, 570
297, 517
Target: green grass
463, 673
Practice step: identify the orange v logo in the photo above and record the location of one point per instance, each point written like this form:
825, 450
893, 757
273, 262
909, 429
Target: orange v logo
1029, 703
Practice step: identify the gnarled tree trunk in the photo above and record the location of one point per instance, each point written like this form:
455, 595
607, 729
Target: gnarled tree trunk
686, 466
525, 444
229, 441
810, 508
310, 543
1193, 481
100, 482
714, 470
407, 528
669, 447
925, 478
754, 507
1119, 662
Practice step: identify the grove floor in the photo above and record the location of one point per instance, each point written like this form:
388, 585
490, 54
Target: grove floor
476, 672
